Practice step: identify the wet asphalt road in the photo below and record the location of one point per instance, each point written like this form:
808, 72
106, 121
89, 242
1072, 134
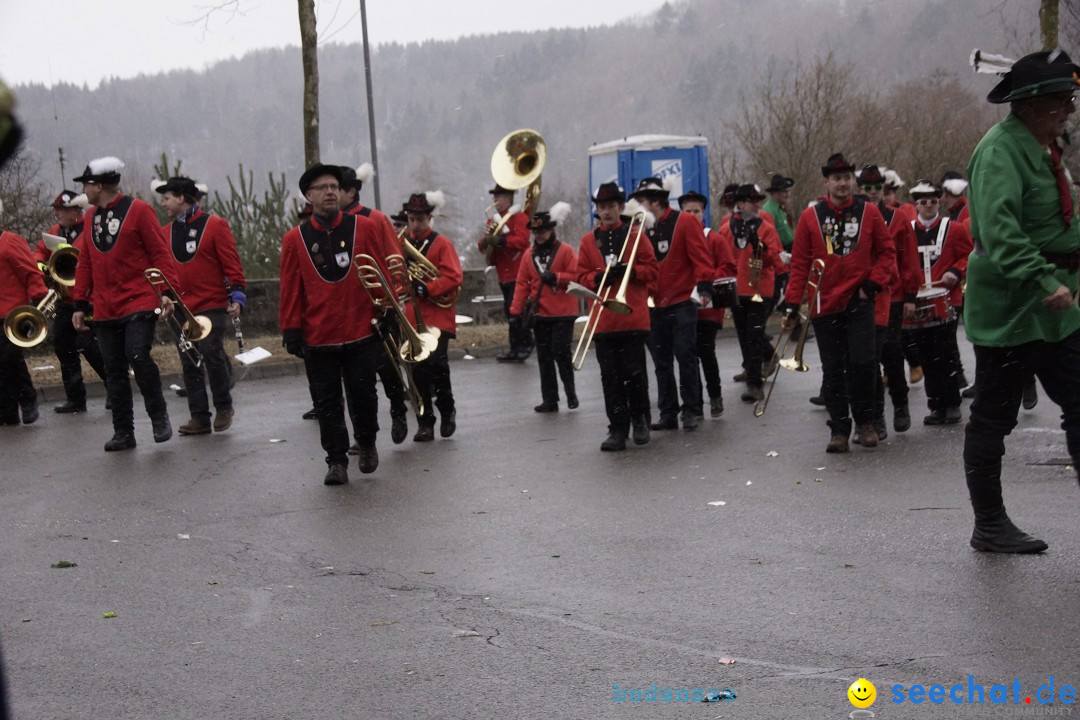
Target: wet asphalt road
514, 571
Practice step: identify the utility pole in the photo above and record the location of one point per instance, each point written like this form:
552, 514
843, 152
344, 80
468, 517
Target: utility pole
309, 53
1048, 23
370, 100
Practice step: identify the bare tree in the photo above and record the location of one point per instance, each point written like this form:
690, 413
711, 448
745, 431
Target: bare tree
1048, 23
309, 53
27, 201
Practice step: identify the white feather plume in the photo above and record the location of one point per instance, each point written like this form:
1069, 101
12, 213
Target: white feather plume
560, 211
956, 186
669, 183
893, 178
923, 187
79, 201
633, 207
155, 184
107, 164
365, 172
988, 63
202, 187
435, 198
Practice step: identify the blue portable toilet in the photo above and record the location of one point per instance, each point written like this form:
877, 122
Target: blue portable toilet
685, 159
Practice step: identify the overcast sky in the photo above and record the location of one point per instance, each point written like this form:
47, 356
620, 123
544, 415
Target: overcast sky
79, 41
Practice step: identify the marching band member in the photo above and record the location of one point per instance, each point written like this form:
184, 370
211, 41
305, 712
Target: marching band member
752, 240
509, 246
21, 283
546, 269
953, 202
432, 374
1021, 313
68, 210
620, 339
123, 239
326, 316
710, 319
943, 247
351, 183
212, 282
850, 235
678, 243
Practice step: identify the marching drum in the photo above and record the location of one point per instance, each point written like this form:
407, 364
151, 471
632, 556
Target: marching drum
932, 308
725, 293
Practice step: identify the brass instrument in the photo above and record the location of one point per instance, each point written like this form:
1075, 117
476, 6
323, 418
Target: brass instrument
28, 325
795, 362
188, 327
421, 341
756, 263
422, 269
616, 304
517, 162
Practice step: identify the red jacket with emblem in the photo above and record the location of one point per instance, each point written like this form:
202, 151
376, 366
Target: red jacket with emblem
322, 300
208, 273
687, 261
869, 253
442, 253
591, 261
950, 256
121, 242
20, 278
554, 302
723, 261
72, 236
771, 264
507, 258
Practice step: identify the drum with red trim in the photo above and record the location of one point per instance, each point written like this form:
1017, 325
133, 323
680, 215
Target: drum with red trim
932, 308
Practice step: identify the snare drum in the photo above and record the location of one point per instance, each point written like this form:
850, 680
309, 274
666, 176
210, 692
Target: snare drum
725, 293
932, 308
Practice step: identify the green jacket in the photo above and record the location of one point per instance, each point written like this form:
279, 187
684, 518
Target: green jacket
783, 227
1016, 215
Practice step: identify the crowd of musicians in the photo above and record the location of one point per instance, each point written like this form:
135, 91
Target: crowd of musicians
365, 297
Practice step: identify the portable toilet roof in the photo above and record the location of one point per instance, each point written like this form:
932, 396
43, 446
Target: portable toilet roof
648, 142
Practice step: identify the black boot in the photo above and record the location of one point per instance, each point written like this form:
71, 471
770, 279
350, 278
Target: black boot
120, 441
30, 413
994, 531
615, 441
901, 419
641, 429
399, 428
162, 427
70, 406
369, 457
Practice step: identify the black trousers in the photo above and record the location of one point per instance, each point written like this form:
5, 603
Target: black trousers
521, 338
432, 378
352, 364
126, 343
15, 384
215, 367
750, 318
706, 347
624, 377
1000, 377
892, 357
673, 339
553, 337
387, 372
846, 343
937, 348
69, 344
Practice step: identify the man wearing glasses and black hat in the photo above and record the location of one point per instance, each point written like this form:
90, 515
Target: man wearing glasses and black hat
1021, 312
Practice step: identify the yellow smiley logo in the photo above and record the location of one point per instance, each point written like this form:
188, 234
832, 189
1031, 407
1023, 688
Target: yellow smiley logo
862, 693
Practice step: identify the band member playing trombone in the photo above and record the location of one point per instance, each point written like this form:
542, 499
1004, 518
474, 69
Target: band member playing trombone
509, 246
20, 284
678, 242
68, 345
540, 292
123, 241
207, 264
850, 235
326, 316
603, 265
756, 247
433, 306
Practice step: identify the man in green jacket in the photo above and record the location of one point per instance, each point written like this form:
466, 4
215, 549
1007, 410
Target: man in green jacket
1020, 312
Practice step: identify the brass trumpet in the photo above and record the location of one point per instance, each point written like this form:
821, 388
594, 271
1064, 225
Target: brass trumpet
188, 327
421, 341
795, 362
28, 325
616, 304
756, 263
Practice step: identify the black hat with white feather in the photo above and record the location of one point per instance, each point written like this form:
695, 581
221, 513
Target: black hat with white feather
102, 171
549, 219
424, 203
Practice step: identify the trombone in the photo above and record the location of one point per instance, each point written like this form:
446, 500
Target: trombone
421, 341
27, 325
188, 327
795, 362
617, 304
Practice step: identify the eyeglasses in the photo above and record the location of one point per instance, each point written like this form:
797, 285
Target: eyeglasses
927, 201
873, 186
325, 187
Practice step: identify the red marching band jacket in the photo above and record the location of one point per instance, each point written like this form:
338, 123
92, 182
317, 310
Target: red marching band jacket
946, 253
206, 261
723, 262
322, 300
20, 278
642, 283
382, 223
686, 263
72, 236
442, 253
771, 264
508, 257
859, 248
554, 302
121, 242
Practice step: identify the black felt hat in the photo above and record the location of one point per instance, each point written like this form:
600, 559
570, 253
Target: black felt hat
104, 170
693, 196
836, 163
69, 199
180, 185
317, 171
749, 191
500, 190
610, 191
1041, 73
871, 175
779, 182
651, 186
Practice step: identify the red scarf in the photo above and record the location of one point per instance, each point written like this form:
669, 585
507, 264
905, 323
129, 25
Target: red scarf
1067, 207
